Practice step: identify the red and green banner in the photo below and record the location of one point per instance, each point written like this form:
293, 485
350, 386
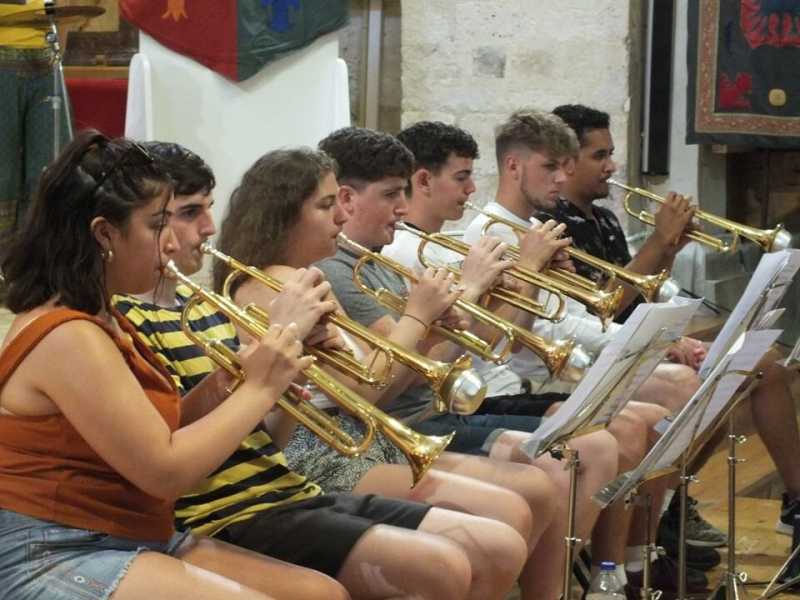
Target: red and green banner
235, 37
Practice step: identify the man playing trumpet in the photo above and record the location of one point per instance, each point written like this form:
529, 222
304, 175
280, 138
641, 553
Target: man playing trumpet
597, 231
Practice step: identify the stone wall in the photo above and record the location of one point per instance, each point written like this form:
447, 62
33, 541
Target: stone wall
472, 62
352, 48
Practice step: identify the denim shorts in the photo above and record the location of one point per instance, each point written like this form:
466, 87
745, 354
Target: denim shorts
42, 559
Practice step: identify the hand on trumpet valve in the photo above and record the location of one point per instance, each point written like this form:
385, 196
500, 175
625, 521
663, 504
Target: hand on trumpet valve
432, 295
561, 260
274, 361
538, 246
304, 299
483, 265
325, 336
673, 220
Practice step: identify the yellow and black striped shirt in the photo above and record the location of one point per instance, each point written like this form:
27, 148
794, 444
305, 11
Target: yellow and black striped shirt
255, 477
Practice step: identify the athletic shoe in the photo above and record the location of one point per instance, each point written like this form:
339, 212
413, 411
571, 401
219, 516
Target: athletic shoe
789, 508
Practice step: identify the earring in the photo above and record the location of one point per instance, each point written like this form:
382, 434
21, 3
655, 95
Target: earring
108, 255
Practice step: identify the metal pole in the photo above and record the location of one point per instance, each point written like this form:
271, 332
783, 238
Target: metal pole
573, 462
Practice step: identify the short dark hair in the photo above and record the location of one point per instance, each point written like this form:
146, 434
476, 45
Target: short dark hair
266, 205
432, 143
535, 131
189, 173
55, 254
366, 155
582, 119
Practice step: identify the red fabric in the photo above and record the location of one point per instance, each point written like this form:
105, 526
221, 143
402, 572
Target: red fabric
48, 471
99, 103
205, 30
733, 94
773, 23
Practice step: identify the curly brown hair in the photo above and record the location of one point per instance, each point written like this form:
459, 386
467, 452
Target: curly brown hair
267, 204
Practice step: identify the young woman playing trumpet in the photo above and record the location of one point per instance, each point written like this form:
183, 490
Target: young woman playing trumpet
95, 443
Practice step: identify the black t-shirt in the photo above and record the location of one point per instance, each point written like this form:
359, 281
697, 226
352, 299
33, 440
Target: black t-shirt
602, 237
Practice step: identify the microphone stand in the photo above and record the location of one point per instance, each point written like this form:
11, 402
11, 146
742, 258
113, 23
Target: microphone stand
59, 100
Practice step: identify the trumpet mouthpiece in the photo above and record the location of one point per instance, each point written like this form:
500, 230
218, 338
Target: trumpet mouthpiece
207, 247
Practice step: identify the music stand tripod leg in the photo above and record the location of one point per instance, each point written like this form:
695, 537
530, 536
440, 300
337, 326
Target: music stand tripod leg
562, 451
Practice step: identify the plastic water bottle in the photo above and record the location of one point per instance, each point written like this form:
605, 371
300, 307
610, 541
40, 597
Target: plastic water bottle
606, 586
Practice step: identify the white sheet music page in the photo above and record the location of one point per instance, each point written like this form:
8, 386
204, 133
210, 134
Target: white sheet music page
744, 354
741, 358
645, 335
772, 276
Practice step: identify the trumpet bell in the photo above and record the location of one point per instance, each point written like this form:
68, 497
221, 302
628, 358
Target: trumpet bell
463, 387
781, 240
668, 290
579, 360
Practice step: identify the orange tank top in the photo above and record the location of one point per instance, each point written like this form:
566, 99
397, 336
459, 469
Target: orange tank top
48, 471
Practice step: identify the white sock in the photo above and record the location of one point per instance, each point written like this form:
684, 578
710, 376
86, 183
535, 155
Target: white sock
667, 499
633, 558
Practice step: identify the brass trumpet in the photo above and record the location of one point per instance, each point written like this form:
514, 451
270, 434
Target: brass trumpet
421, 451
770, 240
654, 288
341, 360
562, 358
450, 382
600, 303
529, 305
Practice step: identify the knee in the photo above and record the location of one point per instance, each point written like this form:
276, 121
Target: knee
539, 495
630, 431
497, 557
444, 569
601, 452
687, 381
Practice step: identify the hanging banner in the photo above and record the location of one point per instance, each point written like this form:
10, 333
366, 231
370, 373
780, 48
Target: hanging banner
744, 73
236, 38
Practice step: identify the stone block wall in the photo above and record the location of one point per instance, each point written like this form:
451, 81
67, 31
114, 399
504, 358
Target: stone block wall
473, 62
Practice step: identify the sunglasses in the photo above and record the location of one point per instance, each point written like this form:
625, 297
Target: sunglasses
135, 154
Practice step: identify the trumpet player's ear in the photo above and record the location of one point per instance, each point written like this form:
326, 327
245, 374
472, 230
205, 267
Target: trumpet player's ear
512, 164
345, 199
421, 181
103, 233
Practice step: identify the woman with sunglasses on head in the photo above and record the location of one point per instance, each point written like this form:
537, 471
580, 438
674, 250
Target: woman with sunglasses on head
93, 446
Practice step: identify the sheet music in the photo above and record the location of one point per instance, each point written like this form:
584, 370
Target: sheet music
794, 355
614, 377
710, 399
773, 274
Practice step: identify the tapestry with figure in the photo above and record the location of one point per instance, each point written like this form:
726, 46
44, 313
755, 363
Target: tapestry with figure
744, 78
235, 37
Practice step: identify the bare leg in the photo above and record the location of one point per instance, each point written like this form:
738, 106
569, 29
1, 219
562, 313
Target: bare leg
452, 555
542, 577
671, 385
476, 473
211, 570
610, 534
464, 494
776, 421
